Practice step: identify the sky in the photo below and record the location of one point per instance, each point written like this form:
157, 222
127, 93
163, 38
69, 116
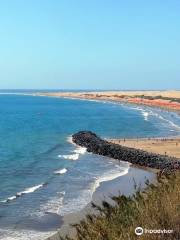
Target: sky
93, 44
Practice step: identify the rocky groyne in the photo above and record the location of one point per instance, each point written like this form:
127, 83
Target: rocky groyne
96, 145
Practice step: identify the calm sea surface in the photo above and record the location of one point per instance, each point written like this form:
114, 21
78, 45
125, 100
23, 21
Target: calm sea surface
42, 174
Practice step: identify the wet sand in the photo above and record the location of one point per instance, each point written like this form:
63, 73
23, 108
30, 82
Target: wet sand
167, 146
122, 185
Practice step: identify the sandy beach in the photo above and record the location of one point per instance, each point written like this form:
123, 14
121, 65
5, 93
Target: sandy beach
121, 185
90, 120
125, 184
169, 100
166, 146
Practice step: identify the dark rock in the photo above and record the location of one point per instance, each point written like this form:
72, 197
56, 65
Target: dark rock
96, 145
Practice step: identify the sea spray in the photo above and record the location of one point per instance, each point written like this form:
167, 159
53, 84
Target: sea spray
61, 171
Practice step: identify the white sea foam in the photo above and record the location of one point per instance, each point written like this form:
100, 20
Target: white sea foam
110, 176
9, 199
61, 171
174, 125
156, 114
77, 203
80, 150
69, 140
54, 205
30, 190
76, 153
145, 114
26, 191
15, 234
70, 156
12, 198
85, 196
166, 120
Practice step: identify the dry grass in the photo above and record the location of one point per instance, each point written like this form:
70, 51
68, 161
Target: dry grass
156, 208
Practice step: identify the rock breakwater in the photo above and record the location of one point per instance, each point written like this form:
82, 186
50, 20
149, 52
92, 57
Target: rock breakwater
96, 145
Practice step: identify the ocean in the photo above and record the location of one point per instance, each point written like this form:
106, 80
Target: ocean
43, 175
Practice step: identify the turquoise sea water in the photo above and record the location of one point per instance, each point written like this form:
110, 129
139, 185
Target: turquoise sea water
42, 174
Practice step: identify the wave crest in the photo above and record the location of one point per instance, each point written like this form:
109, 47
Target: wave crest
80, 150
77, 152
26, 191
110, 176
70, 156
61, 171
146, 115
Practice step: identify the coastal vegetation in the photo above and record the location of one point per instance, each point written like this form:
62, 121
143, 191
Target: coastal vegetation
171, 99
156, 208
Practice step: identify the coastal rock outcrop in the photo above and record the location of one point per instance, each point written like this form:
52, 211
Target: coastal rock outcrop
96, 145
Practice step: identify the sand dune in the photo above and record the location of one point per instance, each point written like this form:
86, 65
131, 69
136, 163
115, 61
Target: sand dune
164, 99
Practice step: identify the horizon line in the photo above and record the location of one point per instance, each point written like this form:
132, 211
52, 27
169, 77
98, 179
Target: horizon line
83, 89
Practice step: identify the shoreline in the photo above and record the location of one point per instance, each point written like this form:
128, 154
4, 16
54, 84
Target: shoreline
168, 146
120, 178
76, 217
124, 184
123, 98
105, 191
95, 144
166, 100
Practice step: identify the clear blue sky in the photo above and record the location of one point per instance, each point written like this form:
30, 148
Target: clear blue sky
93, 44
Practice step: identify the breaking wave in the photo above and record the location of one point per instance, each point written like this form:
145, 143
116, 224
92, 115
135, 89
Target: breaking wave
61, 171
54, 205
70, 156
26, 191
76, 153
146, 114
80, 150
69, 140
110, 176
